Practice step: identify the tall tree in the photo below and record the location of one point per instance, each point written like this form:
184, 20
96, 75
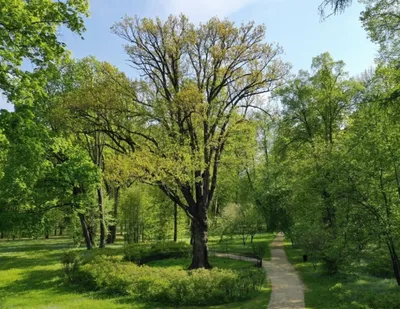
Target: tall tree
370, 176
316, 108
197, 85
85, 83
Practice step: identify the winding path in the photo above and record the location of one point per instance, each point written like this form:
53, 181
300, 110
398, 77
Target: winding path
287, 288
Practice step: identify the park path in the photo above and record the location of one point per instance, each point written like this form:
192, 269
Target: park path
287, 288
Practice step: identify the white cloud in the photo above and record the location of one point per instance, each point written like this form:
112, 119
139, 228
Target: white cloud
202, 10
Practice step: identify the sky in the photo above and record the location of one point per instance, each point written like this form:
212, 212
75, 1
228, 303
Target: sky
295, 25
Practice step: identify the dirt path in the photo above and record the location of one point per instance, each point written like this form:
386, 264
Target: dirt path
287, 288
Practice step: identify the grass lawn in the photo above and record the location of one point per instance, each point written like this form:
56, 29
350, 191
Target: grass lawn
343, 291
235, 245
31, 277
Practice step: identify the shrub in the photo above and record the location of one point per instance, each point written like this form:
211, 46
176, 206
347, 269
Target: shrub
89, 255
259, 249
172, 286
141, 254
71, 262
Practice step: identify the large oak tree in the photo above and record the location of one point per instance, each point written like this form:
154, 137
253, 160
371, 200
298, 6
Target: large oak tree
196, 85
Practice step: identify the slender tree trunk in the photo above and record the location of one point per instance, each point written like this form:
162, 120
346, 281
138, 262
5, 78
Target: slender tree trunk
85, 231
102, 222
91, 234
199, 228
395, 260
175, 222
61, 231
113, 228
55, 231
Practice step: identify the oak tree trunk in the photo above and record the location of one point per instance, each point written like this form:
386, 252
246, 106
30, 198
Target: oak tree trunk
199, 229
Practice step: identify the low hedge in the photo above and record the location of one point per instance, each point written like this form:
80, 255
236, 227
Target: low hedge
168, 285
144, 253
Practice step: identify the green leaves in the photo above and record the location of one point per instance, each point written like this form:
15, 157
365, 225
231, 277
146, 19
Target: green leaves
381, 19
28, 31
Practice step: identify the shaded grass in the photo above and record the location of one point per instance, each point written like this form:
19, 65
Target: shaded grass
31, 277
235, 245
345, 290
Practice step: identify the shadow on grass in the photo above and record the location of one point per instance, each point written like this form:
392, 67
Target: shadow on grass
33, 245
45, 279
24, 262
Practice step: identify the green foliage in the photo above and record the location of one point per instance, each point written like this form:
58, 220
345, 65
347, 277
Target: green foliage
143, 253
29, 32
381, 20
173, 286
71, 262
259, 248
31, 273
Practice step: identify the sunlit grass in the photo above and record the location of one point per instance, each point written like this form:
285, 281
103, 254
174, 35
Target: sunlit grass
343, 291
31, 278
234, 244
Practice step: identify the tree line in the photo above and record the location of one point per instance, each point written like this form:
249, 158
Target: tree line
214, 133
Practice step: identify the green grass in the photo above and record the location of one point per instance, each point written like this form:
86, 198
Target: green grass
343, 291
31, 277
183, 263
235, 245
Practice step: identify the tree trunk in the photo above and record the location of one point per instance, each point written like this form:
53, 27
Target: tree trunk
102, 223
61, 231
112, 229
175, 222
199, 228
85, 231
55, 231
395, 261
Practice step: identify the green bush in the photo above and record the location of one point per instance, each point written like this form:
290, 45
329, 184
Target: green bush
259, 248
89, 255
71, 261
143, 253
171, 286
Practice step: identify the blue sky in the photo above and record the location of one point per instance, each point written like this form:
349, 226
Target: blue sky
293, 24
